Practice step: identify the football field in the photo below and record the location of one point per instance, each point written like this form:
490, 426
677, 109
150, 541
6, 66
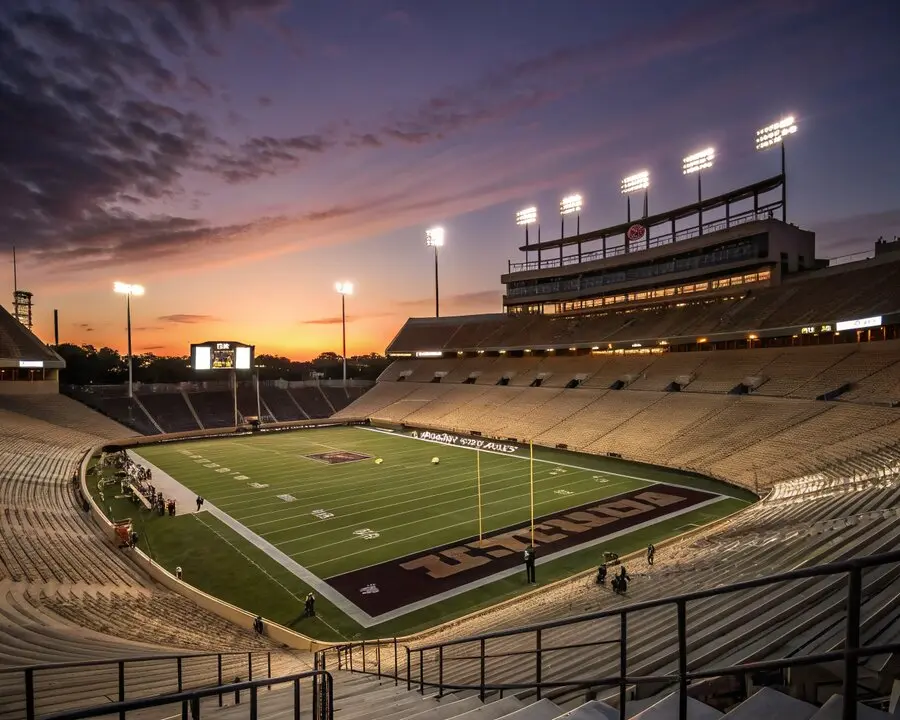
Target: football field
367, 518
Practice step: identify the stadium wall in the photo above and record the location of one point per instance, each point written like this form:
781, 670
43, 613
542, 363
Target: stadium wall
225, 610
31, 387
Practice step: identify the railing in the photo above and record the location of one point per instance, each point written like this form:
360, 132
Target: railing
322, 699
531, 664
763, 213
183, 665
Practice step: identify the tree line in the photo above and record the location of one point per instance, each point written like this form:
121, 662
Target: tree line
88, 365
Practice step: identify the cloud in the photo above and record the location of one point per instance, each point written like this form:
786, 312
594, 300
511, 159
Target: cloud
856, 233
188, 319
86, 327
149, 328
266, 155
462, 301
264, 100
147, 348
336, 319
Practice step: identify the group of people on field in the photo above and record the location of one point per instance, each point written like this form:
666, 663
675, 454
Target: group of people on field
619, 582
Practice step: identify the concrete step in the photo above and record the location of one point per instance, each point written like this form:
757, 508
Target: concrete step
541, 710
591, 710
667, 709
769, 703
834, 709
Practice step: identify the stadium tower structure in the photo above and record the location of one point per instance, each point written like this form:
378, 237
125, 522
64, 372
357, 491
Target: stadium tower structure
27, 366
652, 286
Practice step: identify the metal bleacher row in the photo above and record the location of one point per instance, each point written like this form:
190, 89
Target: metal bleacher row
67, 592
755, 439
170, 408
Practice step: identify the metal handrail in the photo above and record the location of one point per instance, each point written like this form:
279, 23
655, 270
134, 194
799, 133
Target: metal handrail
849, 654
29, 671
323, 705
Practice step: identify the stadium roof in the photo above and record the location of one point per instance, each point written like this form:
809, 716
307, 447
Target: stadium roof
713, 203
18, 344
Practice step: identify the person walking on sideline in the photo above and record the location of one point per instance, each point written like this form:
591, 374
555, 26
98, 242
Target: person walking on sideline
199, 503
529, 565
258, 625
651, 552
310, 606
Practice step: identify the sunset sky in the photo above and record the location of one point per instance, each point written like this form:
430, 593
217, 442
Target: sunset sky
237, 157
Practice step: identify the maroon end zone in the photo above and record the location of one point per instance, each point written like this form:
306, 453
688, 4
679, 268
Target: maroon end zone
390, 585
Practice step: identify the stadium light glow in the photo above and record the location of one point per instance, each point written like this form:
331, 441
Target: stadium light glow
526, 216
570, 204
344, 288
434, 237
775, 133
128, 289
698, 161
638, 181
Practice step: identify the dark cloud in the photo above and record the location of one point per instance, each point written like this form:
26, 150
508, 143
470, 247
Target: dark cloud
262, 156
188, 319
264, 100
86, 327
88, 136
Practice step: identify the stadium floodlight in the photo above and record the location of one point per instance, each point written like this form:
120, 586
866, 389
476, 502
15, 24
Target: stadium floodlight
128, 289
344, 288
526, 217
773, 135
570, 204
633, 183
699, 161
638, 181
567, 206
435, 238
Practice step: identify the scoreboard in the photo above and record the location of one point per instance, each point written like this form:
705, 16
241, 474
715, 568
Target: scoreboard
222, 355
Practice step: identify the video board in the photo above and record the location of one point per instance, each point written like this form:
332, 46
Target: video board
221, 355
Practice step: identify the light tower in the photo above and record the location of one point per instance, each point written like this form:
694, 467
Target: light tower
568, 205
435, 238
345, 289
633, 183
526, 217
128, 290
697, 163
770, 136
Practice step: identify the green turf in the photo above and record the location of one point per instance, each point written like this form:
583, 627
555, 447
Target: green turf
411, 504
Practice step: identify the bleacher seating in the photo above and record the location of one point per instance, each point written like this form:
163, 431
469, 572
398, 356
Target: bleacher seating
170, 411
66, 593
853, 290
313, 401
281, 404
215, 408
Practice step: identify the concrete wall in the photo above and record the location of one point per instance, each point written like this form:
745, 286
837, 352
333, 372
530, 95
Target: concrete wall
31, 387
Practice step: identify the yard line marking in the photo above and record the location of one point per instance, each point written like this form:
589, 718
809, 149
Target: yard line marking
541, 460
265, 572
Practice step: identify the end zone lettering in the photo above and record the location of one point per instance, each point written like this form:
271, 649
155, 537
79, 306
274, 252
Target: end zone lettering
424, 574
446, 438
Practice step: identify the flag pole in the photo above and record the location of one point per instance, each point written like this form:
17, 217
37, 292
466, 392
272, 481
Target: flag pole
478, 475
531, 454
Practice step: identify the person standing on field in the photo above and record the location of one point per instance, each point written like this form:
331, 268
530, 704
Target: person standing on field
529, 564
